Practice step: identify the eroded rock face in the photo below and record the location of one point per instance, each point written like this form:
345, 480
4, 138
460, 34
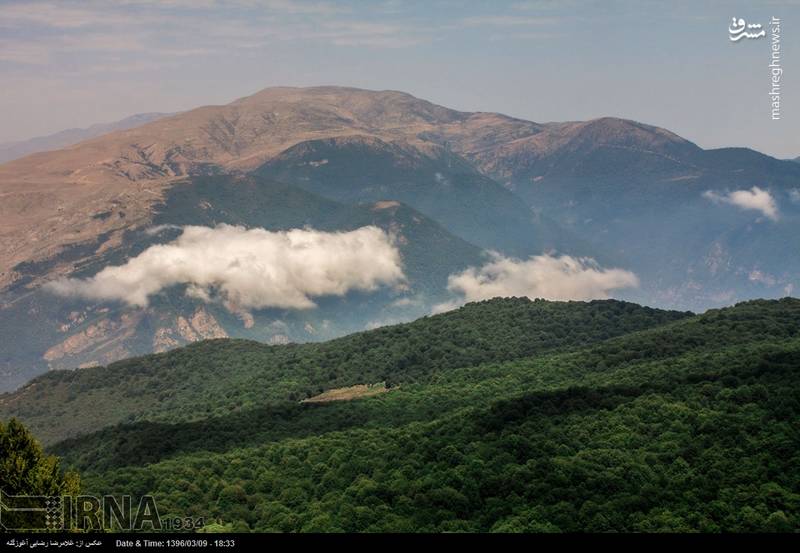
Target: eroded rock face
80, 341
164, 339
247, 318
116, 336
95, 339
206, 325
184, 328
200, 326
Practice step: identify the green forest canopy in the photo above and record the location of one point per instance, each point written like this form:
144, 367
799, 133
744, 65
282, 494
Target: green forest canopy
507, 415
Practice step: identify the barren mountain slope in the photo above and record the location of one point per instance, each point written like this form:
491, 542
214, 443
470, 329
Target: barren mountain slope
85, 194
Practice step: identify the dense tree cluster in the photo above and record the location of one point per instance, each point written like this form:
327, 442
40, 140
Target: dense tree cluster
707, 451
690, 424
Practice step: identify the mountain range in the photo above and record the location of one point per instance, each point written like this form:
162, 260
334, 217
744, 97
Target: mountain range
467, 199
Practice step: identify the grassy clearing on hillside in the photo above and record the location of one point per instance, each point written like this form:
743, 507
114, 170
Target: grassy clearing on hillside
348, 393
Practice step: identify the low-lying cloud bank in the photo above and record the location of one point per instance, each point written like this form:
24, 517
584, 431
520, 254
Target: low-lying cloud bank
542, 276
753, 199
250, 268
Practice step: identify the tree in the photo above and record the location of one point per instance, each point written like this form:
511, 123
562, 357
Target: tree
25, 470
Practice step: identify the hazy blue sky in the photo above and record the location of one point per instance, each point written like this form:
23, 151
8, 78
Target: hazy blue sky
65, 64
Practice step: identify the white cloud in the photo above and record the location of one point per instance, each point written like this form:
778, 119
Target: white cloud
794, 195
158, 229
761, 277
754, 199
542, 276
406, 302
250, 269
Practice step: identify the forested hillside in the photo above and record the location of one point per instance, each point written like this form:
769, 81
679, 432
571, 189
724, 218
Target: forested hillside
218, 377
508, 415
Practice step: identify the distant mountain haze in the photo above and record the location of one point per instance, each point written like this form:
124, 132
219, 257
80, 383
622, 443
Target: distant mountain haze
62, 139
